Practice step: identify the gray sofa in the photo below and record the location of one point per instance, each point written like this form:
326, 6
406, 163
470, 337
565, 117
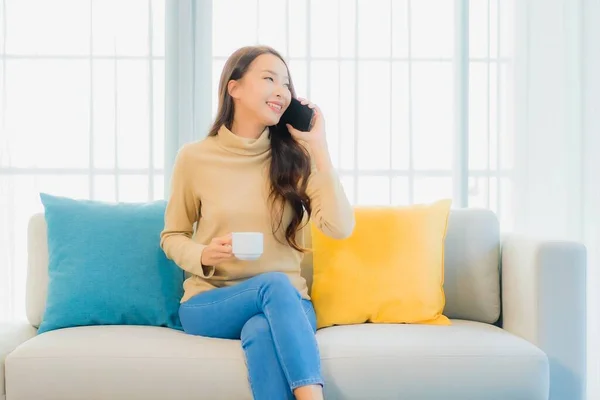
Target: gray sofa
517, 306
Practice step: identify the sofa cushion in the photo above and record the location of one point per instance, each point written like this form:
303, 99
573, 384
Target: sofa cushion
390, 270
12, 334
467, 360
471, 265
128, 363
106, 265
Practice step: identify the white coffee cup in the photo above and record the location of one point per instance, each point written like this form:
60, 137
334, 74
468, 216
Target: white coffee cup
247, 245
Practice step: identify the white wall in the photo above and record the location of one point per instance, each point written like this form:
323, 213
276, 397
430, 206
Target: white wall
591, 182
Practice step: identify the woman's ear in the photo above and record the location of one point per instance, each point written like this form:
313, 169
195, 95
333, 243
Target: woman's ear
233, 88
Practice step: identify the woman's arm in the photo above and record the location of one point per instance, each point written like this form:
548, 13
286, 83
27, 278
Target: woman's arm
183, 210
331, 210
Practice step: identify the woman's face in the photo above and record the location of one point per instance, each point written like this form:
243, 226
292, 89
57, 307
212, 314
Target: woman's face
263, 93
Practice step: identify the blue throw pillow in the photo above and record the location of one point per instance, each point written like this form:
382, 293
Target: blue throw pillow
106, 266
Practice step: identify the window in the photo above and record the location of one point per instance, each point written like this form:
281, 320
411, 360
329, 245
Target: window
383, 72
491, 131
82, 100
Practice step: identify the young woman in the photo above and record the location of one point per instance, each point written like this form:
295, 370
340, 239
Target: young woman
253, 174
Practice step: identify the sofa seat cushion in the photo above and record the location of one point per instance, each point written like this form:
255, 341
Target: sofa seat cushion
126, 362
466, 360
12, 335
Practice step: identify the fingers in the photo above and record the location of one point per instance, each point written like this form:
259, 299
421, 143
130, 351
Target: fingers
225, 249
305, 102
216, 258
221, 248
296, 134
221, 245
292, 130
223, 256
223, 240
215, 254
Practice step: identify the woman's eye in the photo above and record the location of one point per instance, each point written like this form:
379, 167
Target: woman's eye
269, 78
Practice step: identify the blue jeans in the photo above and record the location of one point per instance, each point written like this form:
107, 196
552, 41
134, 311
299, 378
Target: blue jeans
276, 326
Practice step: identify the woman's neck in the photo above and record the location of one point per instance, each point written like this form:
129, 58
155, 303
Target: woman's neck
246, 127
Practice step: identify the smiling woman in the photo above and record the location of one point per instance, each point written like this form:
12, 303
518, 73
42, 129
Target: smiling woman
286, 177
248, 90
260, 93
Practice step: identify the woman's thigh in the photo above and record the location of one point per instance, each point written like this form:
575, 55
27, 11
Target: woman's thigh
219, 313
222, 312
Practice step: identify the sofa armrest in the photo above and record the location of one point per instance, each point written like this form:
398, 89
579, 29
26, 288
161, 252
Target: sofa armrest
12, 334
544, 301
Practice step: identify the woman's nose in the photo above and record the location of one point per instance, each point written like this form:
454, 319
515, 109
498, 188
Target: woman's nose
281, 89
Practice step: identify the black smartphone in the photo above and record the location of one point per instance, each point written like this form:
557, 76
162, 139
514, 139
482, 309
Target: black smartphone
297, 115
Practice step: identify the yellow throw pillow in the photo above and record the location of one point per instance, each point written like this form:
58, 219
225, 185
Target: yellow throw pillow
390, 270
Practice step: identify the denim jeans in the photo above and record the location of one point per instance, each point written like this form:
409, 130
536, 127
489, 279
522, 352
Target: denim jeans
276, 327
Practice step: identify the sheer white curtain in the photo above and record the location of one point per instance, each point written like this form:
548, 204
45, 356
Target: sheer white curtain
415, 93
591, 182
557, 97
188, 75
81, 113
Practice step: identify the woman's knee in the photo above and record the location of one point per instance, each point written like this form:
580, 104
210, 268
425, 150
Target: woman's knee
278, 282
278, 279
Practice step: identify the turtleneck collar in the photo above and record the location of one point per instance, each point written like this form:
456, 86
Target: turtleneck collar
241, 145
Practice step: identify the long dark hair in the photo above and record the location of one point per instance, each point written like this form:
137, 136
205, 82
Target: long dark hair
290, 162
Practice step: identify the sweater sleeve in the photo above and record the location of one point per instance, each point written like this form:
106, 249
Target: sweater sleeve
332, 213
182, 211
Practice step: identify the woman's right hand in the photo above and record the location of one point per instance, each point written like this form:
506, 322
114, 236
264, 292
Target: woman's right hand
217, 251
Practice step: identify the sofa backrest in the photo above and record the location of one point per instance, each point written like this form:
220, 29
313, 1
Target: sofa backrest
471, 267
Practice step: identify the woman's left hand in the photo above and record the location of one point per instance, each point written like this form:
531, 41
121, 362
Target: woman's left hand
316, 135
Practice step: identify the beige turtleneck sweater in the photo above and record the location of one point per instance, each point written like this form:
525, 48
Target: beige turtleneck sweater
221, 184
